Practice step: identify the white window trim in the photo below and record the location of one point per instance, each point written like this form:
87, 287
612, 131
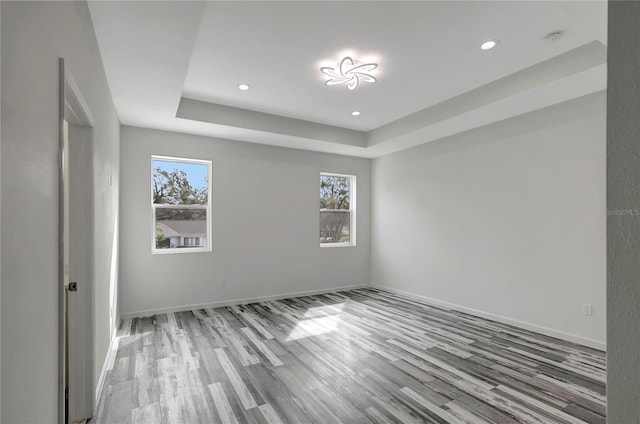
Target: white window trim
170, 251
352, 210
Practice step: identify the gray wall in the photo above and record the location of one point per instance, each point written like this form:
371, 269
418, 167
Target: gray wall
0, 209
265, 225
34, 35
506, 221
623, 231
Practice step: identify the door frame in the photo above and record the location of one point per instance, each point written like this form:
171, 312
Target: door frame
72, 108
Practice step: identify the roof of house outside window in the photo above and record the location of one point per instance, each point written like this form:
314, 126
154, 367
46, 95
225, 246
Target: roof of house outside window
182, 228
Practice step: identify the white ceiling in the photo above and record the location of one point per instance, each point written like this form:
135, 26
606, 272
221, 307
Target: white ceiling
177, 65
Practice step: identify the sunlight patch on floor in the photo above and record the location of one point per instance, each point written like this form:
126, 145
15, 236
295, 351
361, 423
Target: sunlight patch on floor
319, 320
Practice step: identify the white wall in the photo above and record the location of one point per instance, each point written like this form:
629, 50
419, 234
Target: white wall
265, 225
34, 35
623, 231
507, 220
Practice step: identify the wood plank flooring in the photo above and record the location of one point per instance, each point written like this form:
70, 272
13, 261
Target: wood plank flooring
361, 356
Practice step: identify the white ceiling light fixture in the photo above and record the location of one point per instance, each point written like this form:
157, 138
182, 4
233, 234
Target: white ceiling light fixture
350, 72
488, 45
244, 87
355, 113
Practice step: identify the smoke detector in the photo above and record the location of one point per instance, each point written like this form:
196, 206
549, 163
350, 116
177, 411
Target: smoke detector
552, 36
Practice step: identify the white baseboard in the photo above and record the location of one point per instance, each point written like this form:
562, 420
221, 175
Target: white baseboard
109, 362
595, 344
232, 302
584, 341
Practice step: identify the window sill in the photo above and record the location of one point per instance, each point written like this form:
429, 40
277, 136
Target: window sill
337, 245
179, 251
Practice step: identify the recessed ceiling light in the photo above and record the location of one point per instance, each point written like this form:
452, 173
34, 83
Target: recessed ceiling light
244, 87
488, 45
355, 113
351, 72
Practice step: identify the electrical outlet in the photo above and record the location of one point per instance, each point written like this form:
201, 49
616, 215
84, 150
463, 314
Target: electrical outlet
587, 309
222, 282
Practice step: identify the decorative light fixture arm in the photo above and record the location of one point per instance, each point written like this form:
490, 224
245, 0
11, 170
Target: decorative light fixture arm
350, 72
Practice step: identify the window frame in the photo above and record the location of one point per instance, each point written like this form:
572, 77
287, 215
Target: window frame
207, 207
352, 209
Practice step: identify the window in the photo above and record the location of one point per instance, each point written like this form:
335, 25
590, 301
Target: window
192, 241
337, 210
181, 205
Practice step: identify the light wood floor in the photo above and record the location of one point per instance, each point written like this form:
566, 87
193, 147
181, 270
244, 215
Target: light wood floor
352, 357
